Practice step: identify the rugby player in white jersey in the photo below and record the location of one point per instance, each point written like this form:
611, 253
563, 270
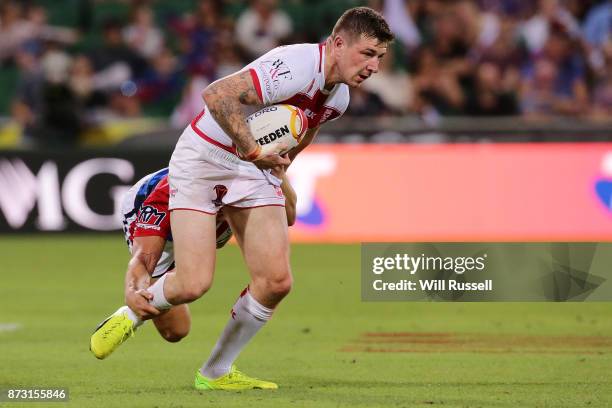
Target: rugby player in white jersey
146, 224
216, 165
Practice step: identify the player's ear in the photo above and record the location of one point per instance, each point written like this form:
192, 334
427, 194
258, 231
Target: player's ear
338, 41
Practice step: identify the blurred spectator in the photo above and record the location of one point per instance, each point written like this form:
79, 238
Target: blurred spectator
480, 29
505, 50
580, 8
27, 102
191, 103
602, 98
14, 30
141, 34
562, 71
162, 80
262, 27
597, 30
123, 105
227, 55
449, 45
449, 42
41, 30
424, 14
60, 122
538, 95
488, 97
84, 86
535, 31
364, 103
598, 24
435, 88
507, 56
197, 36
114, 56
398, 14
512, 9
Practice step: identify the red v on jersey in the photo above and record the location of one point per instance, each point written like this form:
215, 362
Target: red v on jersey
314, 107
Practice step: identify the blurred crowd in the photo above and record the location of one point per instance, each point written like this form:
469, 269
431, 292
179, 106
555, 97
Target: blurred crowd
451, 57
503, 57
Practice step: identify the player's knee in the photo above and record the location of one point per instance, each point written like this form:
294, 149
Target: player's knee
175, 335
194, 291
279, 287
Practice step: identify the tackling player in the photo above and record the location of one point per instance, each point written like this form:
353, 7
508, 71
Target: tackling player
216, 165
146, 224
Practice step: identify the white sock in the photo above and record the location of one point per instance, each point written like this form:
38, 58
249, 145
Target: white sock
131, 315
248, 316
159, 300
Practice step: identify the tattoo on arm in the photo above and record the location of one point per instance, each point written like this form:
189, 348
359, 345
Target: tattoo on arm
224, 99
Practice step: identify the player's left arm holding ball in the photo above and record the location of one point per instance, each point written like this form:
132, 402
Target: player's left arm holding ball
266, 81
224, 98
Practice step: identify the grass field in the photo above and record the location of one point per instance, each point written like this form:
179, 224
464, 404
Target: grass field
324, 346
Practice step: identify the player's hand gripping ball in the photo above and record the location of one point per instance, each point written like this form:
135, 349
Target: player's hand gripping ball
278, 127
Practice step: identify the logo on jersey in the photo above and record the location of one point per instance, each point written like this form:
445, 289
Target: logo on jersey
326, 115
274, 71
319, 117
280, 70
150, 218
220, 191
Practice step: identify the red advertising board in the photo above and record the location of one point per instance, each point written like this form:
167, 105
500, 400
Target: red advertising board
460, 192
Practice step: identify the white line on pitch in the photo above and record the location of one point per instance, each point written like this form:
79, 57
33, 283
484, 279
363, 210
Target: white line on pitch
10, 327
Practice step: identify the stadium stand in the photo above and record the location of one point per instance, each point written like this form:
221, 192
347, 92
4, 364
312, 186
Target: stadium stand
96, 72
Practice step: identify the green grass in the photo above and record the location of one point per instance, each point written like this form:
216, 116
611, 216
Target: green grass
58, 288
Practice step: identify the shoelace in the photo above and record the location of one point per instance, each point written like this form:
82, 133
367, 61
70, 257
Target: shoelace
239, 375
128, 330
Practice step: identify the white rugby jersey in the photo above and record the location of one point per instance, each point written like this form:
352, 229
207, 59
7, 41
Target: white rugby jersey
292, 74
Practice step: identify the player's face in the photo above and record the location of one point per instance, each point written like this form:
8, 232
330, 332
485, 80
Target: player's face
359, 59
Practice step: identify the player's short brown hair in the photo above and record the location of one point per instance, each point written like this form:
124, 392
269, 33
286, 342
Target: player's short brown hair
364, 21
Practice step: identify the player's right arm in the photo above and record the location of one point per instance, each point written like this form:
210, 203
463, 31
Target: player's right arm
224, 99
290, 199
146, 251
306, 140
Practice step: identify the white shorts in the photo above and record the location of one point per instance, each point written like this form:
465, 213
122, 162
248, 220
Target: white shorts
129, 215
205, 178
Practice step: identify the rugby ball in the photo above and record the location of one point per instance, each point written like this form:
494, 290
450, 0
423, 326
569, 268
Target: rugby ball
278, 125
